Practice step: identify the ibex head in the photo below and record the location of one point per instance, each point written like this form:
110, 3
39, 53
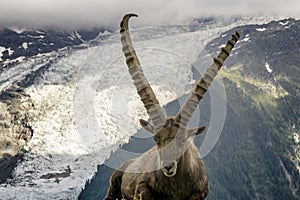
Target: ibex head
171, 134
172, 141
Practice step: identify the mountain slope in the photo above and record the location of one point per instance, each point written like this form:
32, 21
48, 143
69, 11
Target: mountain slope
77, 114
258, 153
19, 44
77, 105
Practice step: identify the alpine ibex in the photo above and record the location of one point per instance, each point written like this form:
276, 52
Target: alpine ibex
173, 169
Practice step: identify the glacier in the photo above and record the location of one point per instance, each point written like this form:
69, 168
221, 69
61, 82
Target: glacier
86, 105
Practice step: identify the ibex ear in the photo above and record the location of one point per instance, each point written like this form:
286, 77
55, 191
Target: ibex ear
147, 126
196, 131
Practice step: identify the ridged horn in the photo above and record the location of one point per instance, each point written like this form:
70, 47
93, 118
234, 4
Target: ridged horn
142, 85
201, 87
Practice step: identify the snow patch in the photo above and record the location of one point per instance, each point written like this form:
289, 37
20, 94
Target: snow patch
284, 23
40, 32
19, 60
246, 39
25, 45
1, 51
261, 29
289, 26
268, 68
18, 30
10, 51
77, 35
36, 37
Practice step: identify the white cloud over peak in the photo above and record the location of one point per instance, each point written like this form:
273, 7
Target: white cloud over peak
70, 13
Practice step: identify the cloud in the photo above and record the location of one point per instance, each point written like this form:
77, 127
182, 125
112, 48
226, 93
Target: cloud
78, 13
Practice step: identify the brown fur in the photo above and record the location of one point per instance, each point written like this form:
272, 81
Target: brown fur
189, 180
143, 192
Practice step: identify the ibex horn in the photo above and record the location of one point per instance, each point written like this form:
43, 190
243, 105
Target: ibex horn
196, 95
142, 85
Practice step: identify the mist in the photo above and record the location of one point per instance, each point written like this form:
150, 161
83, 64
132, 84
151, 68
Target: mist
103, 13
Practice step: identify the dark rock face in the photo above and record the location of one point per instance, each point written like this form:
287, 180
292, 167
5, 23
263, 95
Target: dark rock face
7, 165
27, 43
15, 130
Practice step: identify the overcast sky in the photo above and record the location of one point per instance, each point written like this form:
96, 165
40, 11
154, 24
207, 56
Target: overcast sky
156, 12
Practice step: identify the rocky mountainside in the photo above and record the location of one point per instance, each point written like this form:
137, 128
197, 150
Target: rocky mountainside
18, 44
49, 126
258, 153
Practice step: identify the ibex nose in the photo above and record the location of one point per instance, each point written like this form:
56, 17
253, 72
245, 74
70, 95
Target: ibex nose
169, 167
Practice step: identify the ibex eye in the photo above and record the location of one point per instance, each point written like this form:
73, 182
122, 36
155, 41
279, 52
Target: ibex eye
156, 139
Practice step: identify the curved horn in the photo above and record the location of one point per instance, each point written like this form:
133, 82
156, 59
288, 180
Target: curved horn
142, 85
196, 95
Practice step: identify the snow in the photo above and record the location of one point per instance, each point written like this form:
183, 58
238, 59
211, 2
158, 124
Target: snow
19, 59
284, 23
25, 45
10, 51
246, 39
77, 35
82, 121
104, 33
268, 68
36, 37
289, 26
40, 32
86, 104
261, 29
16, 29
1, 51
296, 137
9, 76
